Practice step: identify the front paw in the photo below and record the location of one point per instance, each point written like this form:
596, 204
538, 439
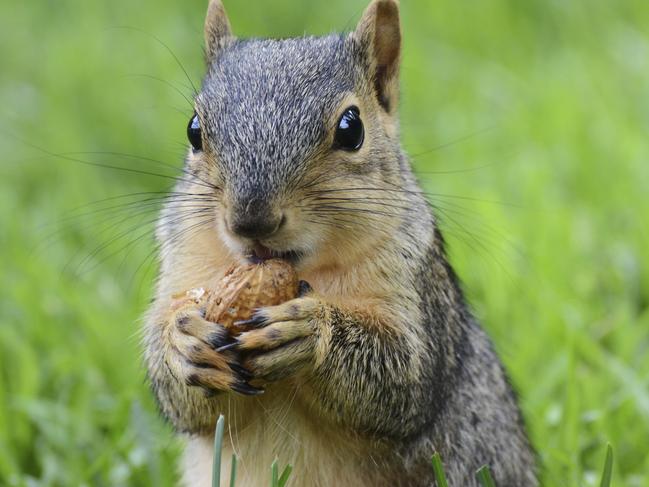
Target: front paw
283, 338
192, 357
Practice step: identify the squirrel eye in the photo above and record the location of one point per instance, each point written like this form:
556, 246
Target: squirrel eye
194, 133
350, 133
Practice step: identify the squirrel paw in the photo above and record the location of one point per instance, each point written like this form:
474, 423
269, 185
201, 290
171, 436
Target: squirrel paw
284, 340
194, 360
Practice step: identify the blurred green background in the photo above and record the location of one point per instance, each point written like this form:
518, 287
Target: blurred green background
528, 122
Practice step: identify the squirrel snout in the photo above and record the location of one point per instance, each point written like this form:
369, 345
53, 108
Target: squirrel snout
256, 226
255, 221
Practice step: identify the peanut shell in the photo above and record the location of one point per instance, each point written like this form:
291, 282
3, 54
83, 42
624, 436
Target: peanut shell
245, 288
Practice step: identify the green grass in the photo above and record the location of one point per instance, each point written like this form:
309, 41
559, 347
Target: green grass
528, 120
276, 479
438, 468
484, 475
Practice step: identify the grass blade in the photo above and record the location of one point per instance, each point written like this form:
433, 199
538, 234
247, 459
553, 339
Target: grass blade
218, 445
485, 478
440, 476
274, 476
283, 479
608, 467
233, 470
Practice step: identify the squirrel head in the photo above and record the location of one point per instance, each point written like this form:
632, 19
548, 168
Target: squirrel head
299, 138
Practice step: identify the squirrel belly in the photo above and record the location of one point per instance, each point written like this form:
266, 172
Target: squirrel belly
378, 363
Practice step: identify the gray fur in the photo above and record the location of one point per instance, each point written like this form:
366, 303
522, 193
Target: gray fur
265, 103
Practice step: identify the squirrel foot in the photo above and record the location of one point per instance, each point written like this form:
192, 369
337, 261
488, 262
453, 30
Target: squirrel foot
192, 356
284, 340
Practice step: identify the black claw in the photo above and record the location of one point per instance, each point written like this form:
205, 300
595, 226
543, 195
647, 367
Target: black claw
303, 288
219, 339
254, 322
243, 372
229, 346
246, 389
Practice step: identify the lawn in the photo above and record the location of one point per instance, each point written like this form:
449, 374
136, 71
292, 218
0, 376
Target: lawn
528, 122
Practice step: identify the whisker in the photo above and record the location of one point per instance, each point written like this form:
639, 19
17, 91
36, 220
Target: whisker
453, 142
181, 169
341, 209
407, 191
169, 50
114, 213
359, 201
159, 249
109, 166
165, 82
146, 230
148, 202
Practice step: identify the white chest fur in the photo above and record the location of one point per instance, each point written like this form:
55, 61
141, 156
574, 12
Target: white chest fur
277, 426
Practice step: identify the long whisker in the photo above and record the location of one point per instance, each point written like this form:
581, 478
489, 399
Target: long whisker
140, 226
470, 239
169, 50
147, 202
183, 170
398, 190
110, 166
189, 101
342, 209
163, 195
115, 214
145, 230
158, 249
453, 142
326, 201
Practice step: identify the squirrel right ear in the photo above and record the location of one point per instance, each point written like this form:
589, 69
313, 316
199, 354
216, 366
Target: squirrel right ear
379, 35
217, 30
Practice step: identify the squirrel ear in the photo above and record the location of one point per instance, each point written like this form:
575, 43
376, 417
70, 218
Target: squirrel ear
217, 29
379, 35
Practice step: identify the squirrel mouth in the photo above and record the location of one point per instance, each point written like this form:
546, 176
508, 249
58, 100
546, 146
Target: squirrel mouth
260, 253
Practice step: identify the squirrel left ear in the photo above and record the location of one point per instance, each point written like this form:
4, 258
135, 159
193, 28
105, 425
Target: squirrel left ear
379, 35
217, 30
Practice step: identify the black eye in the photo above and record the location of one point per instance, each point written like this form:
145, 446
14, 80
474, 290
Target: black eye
350, 133
194, 133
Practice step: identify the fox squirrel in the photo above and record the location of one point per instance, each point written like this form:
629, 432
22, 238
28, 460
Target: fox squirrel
295, 154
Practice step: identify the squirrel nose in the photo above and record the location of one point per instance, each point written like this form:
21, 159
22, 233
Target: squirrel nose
253, 218
256, 226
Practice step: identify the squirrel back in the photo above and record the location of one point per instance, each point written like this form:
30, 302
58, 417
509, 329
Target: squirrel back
295, 154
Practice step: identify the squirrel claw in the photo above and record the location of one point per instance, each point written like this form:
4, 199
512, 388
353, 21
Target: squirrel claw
217, 340
229, 346
256, 321
246, 389
241, 371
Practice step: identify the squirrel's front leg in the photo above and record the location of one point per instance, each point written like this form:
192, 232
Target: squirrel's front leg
284, 338
186, 372
361, 369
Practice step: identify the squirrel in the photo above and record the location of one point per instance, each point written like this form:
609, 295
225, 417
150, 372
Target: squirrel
295, 154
